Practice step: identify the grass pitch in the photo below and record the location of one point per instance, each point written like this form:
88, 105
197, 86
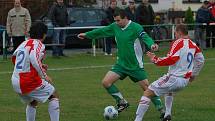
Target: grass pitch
82, 97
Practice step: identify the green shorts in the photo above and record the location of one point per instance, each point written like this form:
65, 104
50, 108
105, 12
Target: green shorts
134, 75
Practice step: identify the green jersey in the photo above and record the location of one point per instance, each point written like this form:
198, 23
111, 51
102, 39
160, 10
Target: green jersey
129, 50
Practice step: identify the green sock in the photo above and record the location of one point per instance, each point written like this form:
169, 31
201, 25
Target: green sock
114, 92
157, 102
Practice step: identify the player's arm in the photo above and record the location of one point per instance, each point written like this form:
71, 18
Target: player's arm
43, 55
98, 33
171, 58
163, 61
146, 39
35, 58
198, 64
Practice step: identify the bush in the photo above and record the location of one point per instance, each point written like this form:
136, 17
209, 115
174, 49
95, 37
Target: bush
189, 18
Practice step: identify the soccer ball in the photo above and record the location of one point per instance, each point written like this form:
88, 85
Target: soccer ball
110, 113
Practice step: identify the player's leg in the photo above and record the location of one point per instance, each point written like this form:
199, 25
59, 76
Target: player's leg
31, 110
168, 104
177, 84
44, 93
144, 104
54, 108
141, 77
155, 100
108, 83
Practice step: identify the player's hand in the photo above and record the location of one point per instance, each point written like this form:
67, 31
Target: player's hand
45, 67
154, 47
191, 78
150, 55
81, 35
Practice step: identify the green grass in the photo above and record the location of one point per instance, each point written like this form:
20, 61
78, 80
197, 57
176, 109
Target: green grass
83, 98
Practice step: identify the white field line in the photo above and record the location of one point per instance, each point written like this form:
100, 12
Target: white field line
85, 67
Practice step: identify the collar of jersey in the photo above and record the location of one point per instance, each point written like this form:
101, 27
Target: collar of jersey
127, 25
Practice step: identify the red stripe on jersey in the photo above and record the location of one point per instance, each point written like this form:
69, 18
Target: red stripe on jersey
44, 52
29, 80
194, 46
166, 61
171, 58
30, 44
38, 59
188, 75
177, 45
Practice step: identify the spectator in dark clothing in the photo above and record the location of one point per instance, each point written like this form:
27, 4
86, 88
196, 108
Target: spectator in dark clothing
203, 15
145, 15
211, 28
59, 17
110, 12
130, 10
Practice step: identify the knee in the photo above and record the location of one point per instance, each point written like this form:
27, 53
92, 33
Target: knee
34, 104
169, 94
144, 84
149, 93
106, 84
54, 105
145, 87
54, 96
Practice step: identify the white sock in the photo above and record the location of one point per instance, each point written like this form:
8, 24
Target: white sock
54, 110
142, 108
30, 113
168, 104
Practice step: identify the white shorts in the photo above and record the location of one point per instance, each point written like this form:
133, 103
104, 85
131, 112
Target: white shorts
168, 84
41, 94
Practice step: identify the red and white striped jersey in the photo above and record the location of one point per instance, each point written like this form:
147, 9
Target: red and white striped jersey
28, 71
184, 58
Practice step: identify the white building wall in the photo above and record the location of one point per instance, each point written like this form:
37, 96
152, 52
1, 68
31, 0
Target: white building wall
176, 4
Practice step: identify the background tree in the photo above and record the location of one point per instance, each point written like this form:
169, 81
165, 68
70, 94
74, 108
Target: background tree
189, 19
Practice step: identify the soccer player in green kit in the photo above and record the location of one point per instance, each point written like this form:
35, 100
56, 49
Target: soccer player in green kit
129, 63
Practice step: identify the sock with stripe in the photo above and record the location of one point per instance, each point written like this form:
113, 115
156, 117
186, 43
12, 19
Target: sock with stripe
114, 92
142, 108
157, 102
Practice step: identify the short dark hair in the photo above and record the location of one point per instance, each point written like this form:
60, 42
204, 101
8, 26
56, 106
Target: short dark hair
206, 2
112, 1
121, 13
182, 28
37, 30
